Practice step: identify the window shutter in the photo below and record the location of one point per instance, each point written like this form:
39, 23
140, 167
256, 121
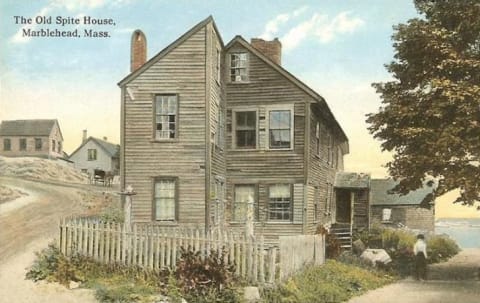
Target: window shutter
298, 203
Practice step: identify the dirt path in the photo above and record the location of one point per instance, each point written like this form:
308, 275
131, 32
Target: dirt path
29, 228
454, 281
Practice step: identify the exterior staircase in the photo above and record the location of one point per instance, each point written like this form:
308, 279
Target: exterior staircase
343, 232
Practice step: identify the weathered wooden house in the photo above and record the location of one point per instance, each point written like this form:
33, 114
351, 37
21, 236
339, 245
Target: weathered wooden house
213, 134
96, 153
27, 138
394, 210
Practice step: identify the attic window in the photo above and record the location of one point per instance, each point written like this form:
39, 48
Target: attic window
239, 67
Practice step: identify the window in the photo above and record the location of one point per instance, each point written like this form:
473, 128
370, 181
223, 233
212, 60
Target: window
7, 144
165, 199
317, 138
166, 117
316, 203
246, 129
53, 145
280, 129
220, 134
38, 143
22, 144
217, 65
329, 149
59, 147
92, 154
387, 214
280, 202
244, 202
238, 67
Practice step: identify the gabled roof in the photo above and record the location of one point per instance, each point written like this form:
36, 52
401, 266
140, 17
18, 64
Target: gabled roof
240, 40
379, 189
170, 47
352, 180
35, 127
111, 149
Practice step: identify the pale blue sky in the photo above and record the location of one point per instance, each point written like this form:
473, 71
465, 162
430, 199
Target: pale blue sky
336, 47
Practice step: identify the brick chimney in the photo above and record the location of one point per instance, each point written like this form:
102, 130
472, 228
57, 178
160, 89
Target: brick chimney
271, 49
138, 51
84, 137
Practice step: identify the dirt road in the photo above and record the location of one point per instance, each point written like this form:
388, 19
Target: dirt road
30, 228
454, 281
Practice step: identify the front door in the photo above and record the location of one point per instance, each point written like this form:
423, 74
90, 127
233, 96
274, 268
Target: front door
344, 206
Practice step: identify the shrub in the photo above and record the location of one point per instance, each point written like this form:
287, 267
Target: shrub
331, 282
205, 279
441, 248
45, 264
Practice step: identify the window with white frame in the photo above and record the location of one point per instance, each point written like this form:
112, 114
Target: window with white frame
244, 202
280, 202
387, 214
92, 154
22, 144
245, 129
280, 129
317, 138
165, 199
238, 67
166, 123
316, 203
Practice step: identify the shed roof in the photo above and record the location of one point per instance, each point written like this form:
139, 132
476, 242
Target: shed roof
352, 180
380, 195
36, 127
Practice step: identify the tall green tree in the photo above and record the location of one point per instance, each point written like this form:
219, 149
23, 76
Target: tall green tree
430, 112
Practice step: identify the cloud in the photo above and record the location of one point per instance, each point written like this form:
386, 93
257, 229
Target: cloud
321, 27
72, 6
272, 26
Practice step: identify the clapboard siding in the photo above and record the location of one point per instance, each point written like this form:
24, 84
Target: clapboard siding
181, 71
321, 172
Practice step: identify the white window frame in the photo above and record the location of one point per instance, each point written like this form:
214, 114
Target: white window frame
292, 125
290, 212
234, 128
91, 154
155, 197
254, 202
218, 64
246, 67
385, 217
168, 114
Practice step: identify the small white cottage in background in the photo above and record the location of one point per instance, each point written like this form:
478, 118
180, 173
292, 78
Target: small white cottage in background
96, 153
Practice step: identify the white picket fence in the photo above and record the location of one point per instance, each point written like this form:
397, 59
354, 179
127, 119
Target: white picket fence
156, 247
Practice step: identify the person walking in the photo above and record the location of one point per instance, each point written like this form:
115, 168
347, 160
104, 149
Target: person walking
420, 251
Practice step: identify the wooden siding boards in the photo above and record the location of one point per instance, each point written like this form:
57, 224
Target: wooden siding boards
182, 72
187, 68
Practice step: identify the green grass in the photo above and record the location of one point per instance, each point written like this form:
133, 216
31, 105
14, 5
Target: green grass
332, 282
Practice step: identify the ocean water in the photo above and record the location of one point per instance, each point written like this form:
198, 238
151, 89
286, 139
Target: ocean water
465, 231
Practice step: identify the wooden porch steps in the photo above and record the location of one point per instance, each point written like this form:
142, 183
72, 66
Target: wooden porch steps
343, 233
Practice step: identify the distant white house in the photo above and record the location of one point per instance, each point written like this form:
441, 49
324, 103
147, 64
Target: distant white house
96, 153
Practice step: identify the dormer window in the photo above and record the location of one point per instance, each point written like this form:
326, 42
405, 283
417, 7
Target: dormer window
239, 67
